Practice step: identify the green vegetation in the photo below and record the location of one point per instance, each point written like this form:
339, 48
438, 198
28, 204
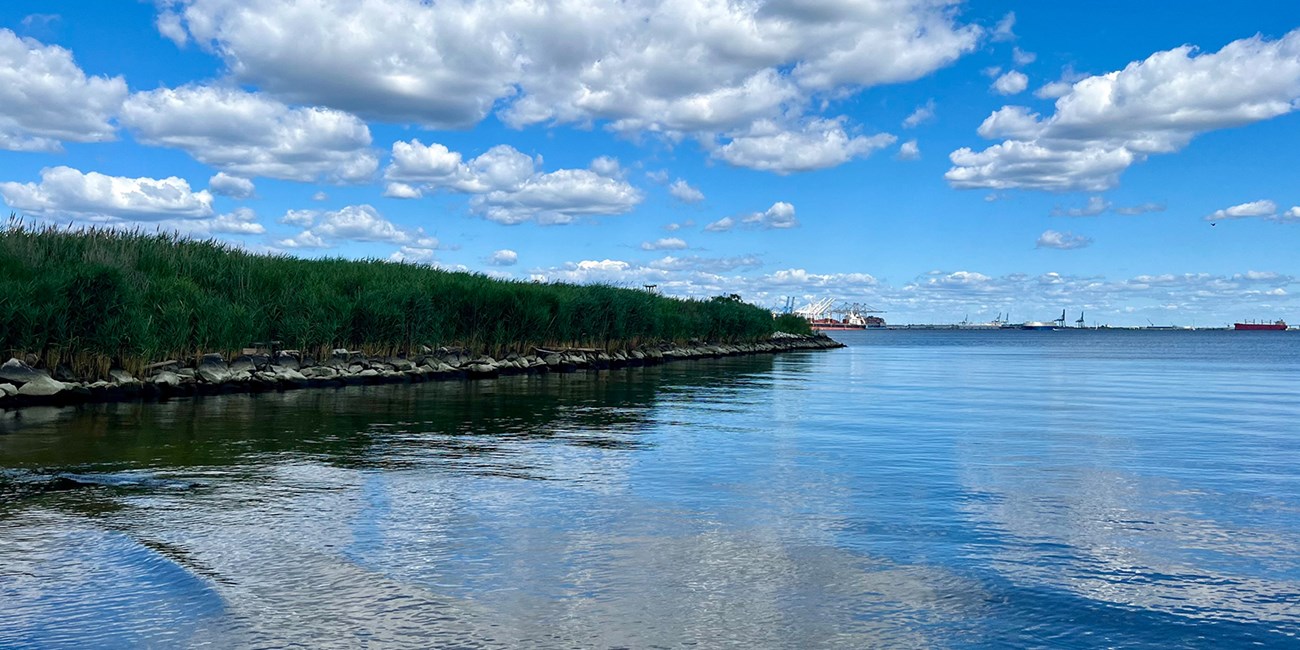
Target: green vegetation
793, 324
97, 298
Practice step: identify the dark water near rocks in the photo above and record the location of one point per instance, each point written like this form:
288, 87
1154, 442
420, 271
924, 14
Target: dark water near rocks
917, 489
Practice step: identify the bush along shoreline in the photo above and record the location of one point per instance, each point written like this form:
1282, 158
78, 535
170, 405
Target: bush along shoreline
101, 315
23, 385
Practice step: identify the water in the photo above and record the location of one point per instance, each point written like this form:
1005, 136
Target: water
917, 489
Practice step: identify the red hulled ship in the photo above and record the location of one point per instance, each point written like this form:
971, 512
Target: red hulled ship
1251, 326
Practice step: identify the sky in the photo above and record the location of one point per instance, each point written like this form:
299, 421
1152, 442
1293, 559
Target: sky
938, 160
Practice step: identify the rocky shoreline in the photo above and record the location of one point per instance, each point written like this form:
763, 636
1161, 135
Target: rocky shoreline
23, 385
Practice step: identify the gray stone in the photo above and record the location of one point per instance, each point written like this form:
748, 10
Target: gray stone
8, 389
17, 372
288, 360
42, 387
187, 373
120, 376
369, 372
214, 371
243, 364
166, 378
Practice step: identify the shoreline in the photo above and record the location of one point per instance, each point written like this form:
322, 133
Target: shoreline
23, 386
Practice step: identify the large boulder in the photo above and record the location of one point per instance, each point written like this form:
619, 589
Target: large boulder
213, 369
166, 378
42, 387
8, 390
120, 376
17, 372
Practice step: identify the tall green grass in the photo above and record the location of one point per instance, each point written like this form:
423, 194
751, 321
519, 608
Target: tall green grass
95, 298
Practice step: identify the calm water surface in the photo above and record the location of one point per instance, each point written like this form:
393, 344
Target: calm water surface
917, 489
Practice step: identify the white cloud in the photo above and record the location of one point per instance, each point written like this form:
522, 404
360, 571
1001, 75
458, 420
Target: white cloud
780, 215
1022, 57
1011, 83
507, 187
1263, 209
320, 196
1106, 123
660, 67
360, 223
1141, 208
1062, 240
251, 135
402, 191
909, 150
1096, 205
682, 191
664, 244
816, 144
503, 257
47, 99
1005, 29
242, 221
920, 116
721, 225
224, 184
66, 191
413, 255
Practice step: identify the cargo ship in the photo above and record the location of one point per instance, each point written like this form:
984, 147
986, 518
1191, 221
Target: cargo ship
1276, 326
854, 317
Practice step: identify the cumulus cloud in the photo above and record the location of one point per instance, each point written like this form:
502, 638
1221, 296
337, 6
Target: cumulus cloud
252, 135
780, 215
1263, 209
358, 223
909, 150
1106, 123
664, 244
920, 116
402, 191
1010, 83
224, 184
1062, 240
817, 144
682, 191
658, 67
64, 191
503, 257
507, 187
48, 99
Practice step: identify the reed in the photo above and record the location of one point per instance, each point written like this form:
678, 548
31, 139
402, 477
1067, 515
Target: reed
93, 298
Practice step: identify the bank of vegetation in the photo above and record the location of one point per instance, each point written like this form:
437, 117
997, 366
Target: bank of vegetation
98, 298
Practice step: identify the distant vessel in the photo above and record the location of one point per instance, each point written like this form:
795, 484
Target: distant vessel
854, 317
996, 323
1276, 326
1047, 326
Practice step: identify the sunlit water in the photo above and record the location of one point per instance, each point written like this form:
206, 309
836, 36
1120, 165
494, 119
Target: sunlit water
917, 489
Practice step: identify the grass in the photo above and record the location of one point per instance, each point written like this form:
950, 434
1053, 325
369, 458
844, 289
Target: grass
99, 298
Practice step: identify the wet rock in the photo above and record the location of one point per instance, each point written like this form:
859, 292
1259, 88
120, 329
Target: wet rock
42, 387
8, 390
243, 364
166, 378
368, 372
213, 370
120, 376
18, 372
288, 359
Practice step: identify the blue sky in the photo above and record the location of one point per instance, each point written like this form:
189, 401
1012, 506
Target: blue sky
932, 158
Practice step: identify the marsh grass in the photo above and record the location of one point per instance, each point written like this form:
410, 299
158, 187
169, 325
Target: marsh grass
94, 298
